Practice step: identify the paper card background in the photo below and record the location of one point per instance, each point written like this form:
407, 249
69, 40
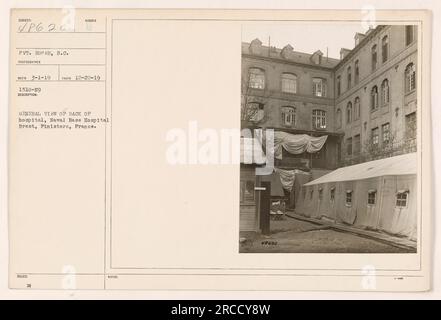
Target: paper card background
4, 110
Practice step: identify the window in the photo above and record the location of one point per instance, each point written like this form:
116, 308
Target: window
247, 191
409, 35
402, 199
304, 193
374, 98
319, 87
385, 130
384, 48
374, 57
411, 126
349, 112
372, 197
357, 144
311, 194
375, 136
349, 197
320, 194
356, 114
349, 146
349, 72
288, 116
332, 194
257, 78
410, 77
254, 111
289, 83
356, 72
384, 92
338, 86
319, 119
338, 116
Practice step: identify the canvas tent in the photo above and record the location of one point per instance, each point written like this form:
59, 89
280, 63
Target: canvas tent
378, 195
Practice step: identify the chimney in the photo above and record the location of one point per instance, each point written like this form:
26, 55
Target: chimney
344, 52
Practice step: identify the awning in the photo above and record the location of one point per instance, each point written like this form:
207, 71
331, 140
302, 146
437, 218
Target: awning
399, 165
296, 143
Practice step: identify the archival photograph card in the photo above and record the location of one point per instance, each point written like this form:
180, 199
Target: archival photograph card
219, 150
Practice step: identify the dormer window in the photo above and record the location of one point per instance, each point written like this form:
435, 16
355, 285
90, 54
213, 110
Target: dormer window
286, 51
255, 46
316, 57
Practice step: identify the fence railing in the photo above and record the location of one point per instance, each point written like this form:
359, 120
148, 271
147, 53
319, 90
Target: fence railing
391, 150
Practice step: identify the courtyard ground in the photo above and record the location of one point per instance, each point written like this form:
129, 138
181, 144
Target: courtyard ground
297, 236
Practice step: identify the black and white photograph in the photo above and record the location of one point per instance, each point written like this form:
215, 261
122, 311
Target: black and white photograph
329, 138
221, 150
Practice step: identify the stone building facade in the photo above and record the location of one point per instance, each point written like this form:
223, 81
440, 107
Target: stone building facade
365, 101
375, 102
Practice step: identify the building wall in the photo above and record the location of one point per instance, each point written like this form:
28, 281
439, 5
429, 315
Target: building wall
400, 104
303, 101
274, 99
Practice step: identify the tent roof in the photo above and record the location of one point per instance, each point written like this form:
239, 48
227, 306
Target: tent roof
251, 151
398, 165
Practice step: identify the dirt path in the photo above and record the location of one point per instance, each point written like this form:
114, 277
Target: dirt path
295, 236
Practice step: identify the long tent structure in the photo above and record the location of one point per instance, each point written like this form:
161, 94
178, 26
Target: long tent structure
377, 195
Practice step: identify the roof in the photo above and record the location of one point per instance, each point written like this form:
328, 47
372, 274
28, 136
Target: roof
399, 165
295, 56
251, 151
